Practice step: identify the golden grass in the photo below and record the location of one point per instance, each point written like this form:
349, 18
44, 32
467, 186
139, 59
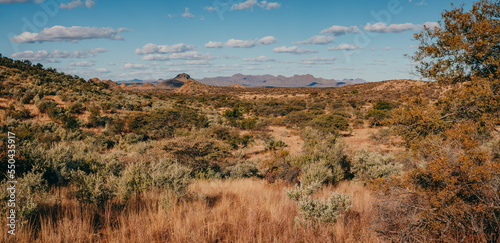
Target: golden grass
246, 210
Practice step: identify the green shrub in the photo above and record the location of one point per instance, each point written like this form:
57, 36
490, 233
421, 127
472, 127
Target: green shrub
92, 188
330, 123
30, 190
376, 117
372, 165
171, 176
243, 170
316, 172
315, 211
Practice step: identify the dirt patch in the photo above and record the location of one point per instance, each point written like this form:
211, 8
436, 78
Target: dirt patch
360, 139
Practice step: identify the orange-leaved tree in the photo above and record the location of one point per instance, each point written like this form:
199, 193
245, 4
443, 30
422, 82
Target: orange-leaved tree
465, 45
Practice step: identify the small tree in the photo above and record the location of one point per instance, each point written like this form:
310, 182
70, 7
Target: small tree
465, 45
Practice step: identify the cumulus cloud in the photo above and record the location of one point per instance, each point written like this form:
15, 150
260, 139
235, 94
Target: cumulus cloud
190, 55
244, 5
151, 48
318, 60
134, 66
269, 5
259, 59
210, 9
381, 27
89, 3
267, 40
249, 4
72, 34
102, 70
431, 25
71, 5
293, 50
77, 3
343, 47
240, 43
187, 14
82, 64
317, 40
214, 44
44, 55
337, 30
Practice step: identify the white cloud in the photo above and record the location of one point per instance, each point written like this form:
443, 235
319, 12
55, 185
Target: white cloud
267, 40
293, 50
210, 9
244, 5
259, 59
318, 60
337, 30
343, 47
134, 66
240, 43
102, 70
71, 5
89, 3
190, 55
315, 40
431, 25
151, 48
381, 27
269, 6
82, 64
77, 3
249, 4
187, 14
72, 34
44, 55
189, 63
214, 44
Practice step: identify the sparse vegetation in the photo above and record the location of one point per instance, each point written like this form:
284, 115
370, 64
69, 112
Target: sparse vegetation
101, 164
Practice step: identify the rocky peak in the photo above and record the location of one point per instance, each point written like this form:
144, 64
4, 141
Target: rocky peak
182, 76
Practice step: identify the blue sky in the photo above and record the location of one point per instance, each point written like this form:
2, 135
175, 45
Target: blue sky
152, 39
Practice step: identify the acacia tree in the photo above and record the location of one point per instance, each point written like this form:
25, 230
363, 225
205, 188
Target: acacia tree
466, 45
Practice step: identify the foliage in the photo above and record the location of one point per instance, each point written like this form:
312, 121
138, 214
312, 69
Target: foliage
464, 46
244, 169
196, 152
460, 188
92, 188
330, 123
316, 211
170, 175
30, 191
371, 165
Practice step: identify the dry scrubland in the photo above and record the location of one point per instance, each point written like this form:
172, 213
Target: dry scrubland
97, 164
393, 161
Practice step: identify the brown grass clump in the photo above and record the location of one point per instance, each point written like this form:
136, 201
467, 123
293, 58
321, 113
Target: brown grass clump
245, 210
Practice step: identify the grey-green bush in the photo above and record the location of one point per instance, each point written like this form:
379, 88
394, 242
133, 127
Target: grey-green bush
373, 165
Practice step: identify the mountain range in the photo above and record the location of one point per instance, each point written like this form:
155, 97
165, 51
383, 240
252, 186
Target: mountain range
256, 81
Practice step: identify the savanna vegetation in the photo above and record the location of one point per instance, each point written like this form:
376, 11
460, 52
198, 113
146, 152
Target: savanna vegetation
98, 164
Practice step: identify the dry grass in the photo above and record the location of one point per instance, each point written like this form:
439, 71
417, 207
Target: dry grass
218, 211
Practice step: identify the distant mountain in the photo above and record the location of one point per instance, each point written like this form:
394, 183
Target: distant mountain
279, 81
173, 83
